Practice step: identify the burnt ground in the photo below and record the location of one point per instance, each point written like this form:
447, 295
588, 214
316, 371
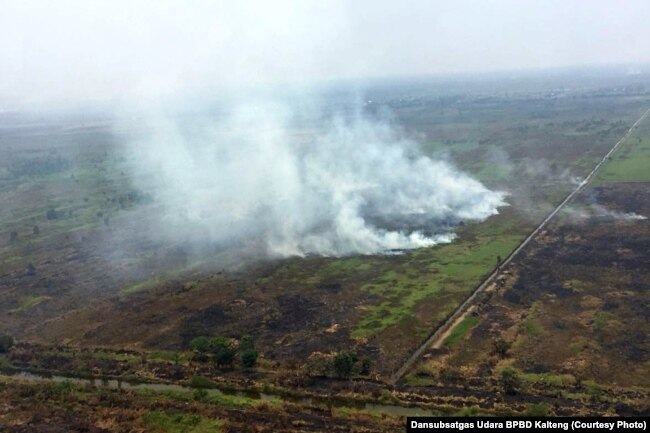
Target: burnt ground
100, 279
287, 321
65, 408
574, 308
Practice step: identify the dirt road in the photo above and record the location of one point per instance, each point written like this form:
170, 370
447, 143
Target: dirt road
440, 333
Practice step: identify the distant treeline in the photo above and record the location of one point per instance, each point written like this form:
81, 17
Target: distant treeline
38, 166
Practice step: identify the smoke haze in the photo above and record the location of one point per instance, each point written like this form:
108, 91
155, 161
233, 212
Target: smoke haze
255, 173
71, 50
355, 185
594, 210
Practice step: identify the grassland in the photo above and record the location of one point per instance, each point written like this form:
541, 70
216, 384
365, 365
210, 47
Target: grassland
568, 316
180, 423
105, 299
100, 279
445, 274
100, 409
460, 330
631, 163
210, 398
30, 301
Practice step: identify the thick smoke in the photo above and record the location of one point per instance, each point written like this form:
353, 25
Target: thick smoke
255, 176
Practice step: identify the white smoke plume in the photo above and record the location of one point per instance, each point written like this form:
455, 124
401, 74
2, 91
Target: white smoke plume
282, 178
580, 214
252, 176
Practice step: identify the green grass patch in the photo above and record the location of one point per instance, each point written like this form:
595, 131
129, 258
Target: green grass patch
574, 284
169, 356
29, 302
10, 260
180, 423
468, 411
344, 266
576, 347
130, 358
549, 379
537, 409
166, 395
433, 147
235, 401
4, 362
447, 273
594, 390
175, 273
630, 163
415, 380
210, 397
349, 412
145, 285
460, 330
602, 318
101, 354
531, 327
201, 382
492, 171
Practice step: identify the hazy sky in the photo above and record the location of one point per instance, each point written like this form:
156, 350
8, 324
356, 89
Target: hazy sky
70, 50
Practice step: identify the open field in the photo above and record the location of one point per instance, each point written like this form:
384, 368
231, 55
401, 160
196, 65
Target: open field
569, 315
98, 410
81, 270
118, 389
105, 256
630, 163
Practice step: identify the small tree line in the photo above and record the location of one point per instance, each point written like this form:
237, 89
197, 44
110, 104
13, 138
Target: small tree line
340, 364
6, 342
225, 351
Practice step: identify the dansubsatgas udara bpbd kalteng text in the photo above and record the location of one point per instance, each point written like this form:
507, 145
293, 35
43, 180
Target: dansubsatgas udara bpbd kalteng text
612, 425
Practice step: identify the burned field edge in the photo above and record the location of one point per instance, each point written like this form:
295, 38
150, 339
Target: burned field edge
594, 304
569, 316
188, 388
97, 409
296, 306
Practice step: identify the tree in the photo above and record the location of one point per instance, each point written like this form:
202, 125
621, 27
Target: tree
222, 350
31, 269
248, 353
200, 345
365, 366
200, 394
318, 365
201, 382
6, 342
501, 347
343, 364
249, 358
246, 343
510, 381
